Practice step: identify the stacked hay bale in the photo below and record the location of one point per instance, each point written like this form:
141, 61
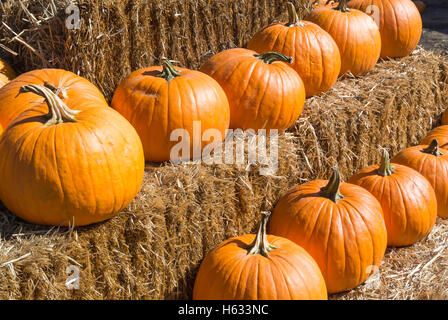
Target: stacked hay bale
117, 37
153, 249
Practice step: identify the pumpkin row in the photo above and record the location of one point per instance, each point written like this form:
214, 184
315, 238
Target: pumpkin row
329, 236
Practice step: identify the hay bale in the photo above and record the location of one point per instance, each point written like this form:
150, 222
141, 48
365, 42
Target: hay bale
153, 249
117, 37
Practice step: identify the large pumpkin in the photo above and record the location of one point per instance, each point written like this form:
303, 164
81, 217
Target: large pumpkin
66, 84
408, 201
259, 267
439, 133
315, 55
263, 91
61, 166
339, 224
432, 163
355, 33
160, 101
6, 73
399, 21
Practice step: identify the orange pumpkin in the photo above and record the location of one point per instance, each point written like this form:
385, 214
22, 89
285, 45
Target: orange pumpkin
432, 163
158, 101
408, 201
263, 91
399, 21
440, 134
315, 55
259, 267
339, 224
6, 73
355, 33
61, 166
421, 6
445, 117
66, 84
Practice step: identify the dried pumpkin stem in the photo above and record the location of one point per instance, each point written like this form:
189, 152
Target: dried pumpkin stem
342, 6
433, 148
293, 18
58, 110
273, 56
59, 91
385, 168
331, 190
261, 244
168, 72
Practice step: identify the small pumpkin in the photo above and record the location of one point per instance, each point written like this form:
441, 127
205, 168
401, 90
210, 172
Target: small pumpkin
7, 73
408, 201
61, 166
356, 34
161, 99
259, 267
65, 84
432, 162
399, 21
315, 55
339, 224
263, 91
439, 133
421, 6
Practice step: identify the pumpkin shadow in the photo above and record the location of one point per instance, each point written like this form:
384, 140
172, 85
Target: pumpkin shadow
186, 282
13, 227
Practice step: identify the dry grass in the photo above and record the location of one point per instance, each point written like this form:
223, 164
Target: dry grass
152, 250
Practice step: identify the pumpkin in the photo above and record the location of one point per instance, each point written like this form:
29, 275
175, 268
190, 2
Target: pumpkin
445, 117
432, 163
339, 224
421, 6
64, 83
6, 73
263, 91
399, 21
355, 33
315, 55
61, 166
440, 134
159, 100
408, 201
259, 267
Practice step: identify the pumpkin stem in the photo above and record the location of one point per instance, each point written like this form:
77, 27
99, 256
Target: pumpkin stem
331, 190
293, 18
168, 72
385, 168
342, 6
273, 56
433, 148
59, 91
261, 244
58, 110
